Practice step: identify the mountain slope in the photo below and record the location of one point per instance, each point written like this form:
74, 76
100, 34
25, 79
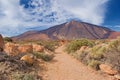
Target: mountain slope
69, 30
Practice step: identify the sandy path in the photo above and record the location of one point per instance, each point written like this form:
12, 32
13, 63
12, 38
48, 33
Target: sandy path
65, 67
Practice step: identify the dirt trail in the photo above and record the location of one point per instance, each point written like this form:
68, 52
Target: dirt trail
65, 67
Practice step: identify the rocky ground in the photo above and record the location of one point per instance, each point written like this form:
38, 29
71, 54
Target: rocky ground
12, 68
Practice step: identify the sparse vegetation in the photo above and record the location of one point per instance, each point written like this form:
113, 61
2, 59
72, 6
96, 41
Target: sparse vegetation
50, 45
43, 56
114, 45
12, 68
90, 52
100, 52
77, 44
23, 76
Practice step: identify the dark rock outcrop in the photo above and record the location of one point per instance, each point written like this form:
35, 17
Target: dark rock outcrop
1, 43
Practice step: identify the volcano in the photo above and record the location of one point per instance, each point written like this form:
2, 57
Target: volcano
69, 31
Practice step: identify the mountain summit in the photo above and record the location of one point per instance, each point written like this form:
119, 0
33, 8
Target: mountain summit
70, 30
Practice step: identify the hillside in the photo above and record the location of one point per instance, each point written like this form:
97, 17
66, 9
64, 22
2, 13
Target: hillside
69, 30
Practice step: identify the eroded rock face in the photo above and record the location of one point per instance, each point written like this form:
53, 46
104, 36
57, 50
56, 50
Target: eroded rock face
27, 48
108, 69
11, 49
1, 43
38, 48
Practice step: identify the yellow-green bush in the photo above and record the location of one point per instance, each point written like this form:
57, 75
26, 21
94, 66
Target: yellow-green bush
77, 44
114, 45
50, 45
94, 64
104, 51
97, 52
43, 56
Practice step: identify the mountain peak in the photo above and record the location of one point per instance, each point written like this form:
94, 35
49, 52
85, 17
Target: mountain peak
70, 30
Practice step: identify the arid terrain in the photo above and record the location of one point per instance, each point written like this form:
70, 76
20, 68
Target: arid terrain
78, 59
65, 67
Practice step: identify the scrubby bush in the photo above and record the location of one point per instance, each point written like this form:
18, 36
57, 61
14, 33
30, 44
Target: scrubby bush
23, 76
8, 39
112, 56
104, 51
82, 56
97, 52
114, 45
94, 64
50, 45
77, 44
43, 56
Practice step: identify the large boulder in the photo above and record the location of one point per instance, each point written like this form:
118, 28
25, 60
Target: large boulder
28, 59
117, 76
1, 43
83, 48
107, 69
38, 48
11, 49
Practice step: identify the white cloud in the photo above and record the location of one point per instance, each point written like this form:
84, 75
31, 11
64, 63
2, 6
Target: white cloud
92, 11
14, 19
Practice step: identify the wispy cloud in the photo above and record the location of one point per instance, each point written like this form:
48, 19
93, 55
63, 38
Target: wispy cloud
114, 27
15, 19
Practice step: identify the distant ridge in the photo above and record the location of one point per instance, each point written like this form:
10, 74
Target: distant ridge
70, 30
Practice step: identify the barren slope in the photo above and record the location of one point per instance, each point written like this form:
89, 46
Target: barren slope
69, 30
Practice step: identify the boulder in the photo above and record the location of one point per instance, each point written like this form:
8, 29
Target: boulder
38, 48
1, 43
11, 49
27, 48
83, 48
28, 59
107, 69
117, 76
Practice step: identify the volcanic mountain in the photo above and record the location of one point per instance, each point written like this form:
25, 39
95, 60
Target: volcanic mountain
69, 30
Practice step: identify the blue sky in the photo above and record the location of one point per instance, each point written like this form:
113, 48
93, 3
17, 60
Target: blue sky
18, 16
112, 18
113, 13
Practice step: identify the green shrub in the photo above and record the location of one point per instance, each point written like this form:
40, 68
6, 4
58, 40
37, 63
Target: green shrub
8, 39
97, 52
50, 45
94, 64
112, 54
114, 45
43, 56
77, 44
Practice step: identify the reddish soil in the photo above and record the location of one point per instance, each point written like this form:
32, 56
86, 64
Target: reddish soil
65, 67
